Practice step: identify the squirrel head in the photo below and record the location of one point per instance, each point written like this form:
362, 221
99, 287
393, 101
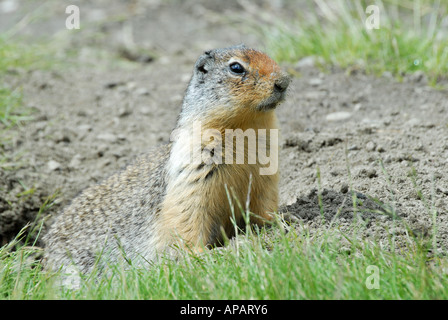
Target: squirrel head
233, 83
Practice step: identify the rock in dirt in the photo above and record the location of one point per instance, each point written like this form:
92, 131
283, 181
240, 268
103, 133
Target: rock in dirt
369, 173
307, 62
344, 188
315, 82
370, 146
53, 165
124, 112
134, 55
76, 161
294, 141
338, 116
442, 190
108, 137
414, 122
145, 110
142, 92
113, 84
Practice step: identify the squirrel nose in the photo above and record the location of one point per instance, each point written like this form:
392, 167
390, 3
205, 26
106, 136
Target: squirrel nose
281, 84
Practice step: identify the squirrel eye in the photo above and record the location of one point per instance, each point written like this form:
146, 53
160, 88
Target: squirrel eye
237, 68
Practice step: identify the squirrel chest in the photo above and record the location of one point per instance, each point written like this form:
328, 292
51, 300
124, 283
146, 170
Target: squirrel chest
222, 180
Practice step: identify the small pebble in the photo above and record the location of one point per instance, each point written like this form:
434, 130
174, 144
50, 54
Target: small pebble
315, 82
370, 146
53, 165
124, 111
142, 92
106, 136
380, 148
338, 116
307, 62
371, 173
76, 161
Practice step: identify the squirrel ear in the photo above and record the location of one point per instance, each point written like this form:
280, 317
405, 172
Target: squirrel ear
201, 63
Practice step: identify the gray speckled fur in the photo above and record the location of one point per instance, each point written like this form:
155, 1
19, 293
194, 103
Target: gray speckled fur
113, 217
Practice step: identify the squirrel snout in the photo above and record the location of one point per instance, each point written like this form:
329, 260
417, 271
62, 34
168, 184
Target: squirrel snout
281, 84
277, 95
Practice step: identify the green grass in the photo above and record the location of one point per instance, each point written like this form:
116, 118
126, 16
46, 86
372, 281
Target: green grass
11, 110
20, 54
411, 37
332, 262
10, 101
265, 264
17, 56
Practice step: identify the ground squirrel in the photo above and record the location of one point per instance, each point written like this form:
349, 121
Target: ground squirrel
167, 194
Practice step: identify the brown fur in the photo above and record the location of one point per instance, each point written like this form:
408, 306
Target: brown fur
210, 197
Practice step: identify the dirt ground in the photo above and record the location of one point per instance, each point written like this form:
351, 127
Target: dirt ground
122, 92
